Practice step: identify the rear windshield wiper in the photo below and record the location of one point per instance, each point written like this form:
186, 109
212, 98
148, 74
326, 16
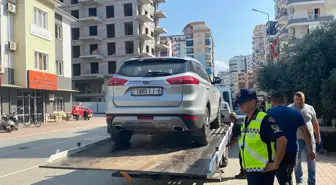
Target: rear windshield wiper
156, 73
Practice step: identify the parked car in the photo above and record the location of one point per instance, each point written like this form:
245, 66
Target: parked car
79, 110
162, 94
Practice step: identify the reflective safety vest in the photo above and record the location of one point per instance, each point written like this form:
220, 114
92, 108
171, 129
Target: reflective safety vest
268, 105
253, 150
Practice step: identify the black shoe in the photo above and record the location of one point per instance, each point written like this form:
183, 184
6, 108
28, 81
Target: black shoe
241, 175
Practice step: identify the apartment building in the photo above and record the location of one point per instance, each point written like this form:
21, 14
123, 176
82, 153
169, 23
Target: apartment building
258, 42
245, 80
108, 33
270, 36
298, 17
239, 64
35, 58
200, 43
179, 45
168, 42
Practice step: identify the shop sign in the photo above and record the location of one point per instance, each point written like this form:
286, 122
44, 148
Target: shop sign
42, 80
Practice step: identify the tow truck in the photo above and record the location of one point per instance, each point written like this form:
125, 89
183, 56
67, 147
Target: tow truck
151, 157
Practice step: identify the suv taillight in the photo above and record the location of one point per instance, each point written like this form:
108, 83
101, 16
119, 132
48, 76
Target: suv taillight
116, 82
188, 80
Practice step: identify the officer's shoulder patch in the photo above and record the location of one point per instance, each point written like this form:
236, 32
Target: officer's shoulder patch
275, 128
271, 120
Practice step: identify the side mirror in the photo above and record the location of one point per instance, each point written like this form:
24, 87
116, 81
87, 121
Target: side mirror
216, 80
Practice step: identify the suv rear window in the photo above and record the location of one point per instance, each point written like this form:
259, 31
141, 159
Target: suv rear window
153, 67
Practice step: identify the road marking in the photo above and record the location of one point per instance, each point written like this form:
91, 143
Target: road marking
19, 171
53, 131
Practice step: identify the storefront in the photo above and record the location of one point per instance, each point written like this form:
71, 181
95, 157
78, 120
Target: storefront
40, 98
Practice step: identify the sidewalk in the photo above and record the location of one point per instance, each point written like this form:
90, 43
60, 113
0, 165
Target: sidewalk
325, 170
52, 127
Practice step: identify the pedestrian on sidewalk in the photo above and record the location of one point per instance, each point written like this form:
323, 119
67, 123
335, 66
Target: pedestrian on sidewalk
235, 136
289, 121
259, 133
309, 116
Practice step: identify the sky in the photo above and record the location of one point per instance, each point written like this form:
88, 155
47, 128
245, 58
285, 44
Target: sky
231, 22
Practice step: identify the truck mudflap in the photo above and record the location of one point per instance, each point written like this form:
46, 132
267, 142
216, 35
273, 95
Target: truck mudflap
155, 157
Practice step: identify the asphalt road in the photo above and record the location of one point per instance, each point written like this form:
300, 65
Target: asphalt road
20, 158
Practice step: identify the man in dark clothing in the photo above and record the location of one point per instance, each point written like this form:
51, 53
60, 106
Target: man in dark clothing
235, 135
259, 134
289, 120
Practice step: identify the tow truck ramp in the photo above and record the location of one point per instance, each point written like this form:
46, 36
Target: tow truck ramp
150, 157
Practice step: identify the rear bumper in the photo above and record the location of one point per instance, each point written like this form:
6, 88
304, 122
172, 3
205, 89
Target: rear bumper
159, 123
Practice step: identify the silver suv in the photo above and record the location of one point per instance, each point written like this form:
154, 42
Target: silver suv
163, 94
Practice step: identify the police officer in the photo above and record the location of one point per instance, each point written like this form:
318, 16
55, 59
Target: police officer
268, 103
259, 134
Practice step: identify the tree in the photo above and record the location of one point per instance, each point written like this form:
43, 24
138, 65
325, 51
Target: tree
306, 65
328, 95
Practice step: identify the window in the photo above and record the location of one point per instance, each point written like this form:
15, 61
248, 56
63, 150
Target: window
74, 1
75, 13
76, 69
94, 67
93, 30
207, 42
190, 50
129, 47
75, 33
40, 18
153, 51
112, 67
128, 10
200, 71
58, 104
41, 61
58, 32
110, 29
75, 51
93, 49
59, 68
111, 49
147, 49
92, 12
128, 28
189, 43
110, 11
152, 34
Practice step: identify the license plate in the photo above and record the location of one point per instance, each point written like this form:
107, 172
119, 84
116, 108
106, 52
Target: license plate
146, 91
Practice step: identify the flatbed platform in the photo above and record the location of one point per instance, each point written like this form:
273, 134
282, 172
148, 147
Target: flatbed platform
160, 155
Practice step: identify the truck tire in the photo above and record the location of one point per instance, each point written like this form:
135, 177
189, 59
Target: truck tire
204, 137
121, 137
218, 121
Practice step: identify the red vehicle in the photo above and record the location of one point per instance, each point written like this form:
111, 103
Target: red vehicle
81, 111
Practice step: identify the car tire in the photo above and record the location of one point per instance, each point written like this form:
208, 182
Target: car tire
204, 137
121, 137
218, 121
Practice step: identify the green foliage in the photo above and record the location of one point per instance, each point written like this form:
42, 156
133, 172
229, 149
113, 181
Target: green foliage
307, 65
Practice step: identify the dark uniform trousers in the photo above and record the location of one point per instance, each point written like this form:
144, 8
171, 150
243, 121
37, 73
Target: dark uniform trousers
259, 178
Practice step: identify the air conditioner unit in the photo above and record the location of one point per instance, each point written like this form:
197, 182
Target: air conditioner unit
2, 69
11, 8
12, 46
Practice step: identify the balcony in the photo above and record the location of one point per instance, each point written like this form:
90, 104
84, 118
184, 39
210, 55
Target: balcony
56, 3
283, 33
305, 19
145, 2
93, 38
160, 30
282, 16
91, 20
144, 37
161, 46
145, 54
88, 76
161, 1
281, 3
91, 2
159, 14
93, 56
145, 18
303, 2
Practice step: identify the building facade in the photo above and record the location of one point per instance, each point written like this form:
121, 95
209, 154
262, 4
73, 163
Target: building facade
239, 64
35, 58
179, 45
295, 18
225, 76
245, 80
258, 43
108, 33
168, 42
200, 43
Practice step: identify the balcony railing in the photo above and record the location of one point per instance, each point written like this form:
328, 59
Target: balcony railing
91, 2
309, 18
303, 1
93, 55
91, 20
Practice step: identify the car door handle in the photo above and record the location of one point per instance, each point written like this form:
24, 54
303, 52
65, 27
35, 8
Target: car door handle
208, 88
